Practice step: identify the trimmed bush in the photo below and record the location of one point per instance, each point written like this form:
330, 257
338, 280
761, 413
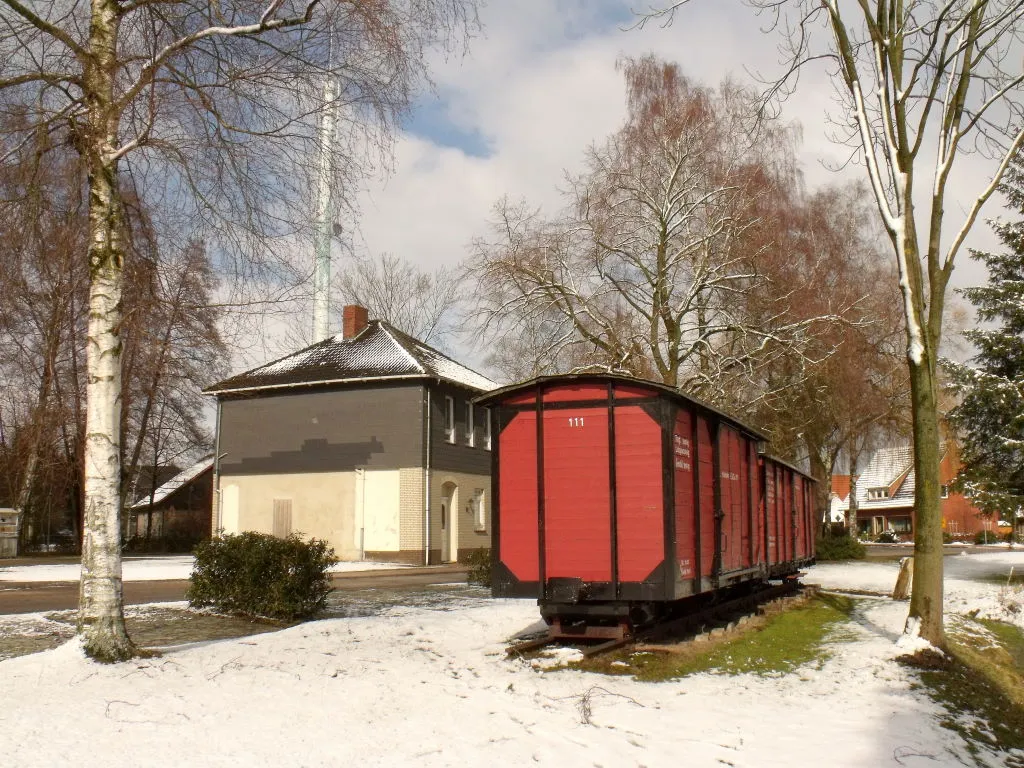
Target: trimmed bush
258, 575
986, 537
479, 562
839, 548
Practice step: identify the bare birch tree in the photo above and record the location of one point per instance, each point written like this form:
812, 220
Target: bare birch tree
665, 262
922, 83
209, 107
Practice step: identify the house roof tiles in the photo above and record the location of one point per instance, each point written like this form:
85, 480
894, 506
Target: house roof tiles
378, 352
889, 468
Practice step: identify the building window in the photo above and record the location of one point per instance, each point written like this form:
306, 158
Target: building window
945, 491
878, 493
470, 431
449, 418
487, 428
899, 524
479, 511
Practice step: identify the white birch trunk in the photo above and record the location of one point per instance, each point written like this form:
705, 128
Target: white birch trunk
100, 610
101, 613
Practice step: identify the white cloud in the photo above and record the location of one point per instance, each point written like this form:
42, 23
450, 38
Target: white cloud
540, 86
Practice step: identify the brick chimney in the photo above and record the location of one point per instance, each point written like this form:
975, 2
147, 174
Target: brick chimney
353, 320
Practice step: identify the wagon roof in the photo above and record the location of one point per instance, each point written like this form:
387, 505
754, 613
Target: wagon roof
500, 394
789, 465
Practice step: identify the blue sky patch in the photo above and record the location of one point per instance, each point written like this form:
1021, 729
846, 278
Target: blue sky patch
431, 120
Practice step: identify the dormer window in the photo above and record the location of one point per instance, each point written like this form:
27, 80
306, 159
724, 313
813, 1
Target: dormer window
877, 493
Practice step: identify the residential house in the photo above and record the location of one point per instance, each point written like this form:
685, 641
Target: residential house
885, 495
368, 440
180, 507
839, 498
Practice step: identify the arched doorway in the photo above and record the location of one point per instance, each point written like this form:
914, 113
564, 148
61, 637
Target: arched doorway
449, 522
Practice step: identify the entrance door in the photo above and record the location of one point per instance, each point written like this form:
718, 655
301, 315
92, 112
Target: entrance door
449, 523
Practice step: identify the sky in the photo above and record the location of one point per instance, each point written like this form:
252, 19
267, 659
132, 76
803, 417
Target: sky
515, 113
536, 88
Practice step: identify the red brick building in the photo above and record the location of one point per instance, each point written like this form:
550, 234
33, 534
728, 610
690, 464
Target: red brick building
885, 496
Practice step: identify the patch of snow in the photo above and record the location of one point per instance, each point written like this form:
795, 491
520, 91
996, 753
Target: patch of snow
556, 657
173, 568
967, 585
434, 688
911, 641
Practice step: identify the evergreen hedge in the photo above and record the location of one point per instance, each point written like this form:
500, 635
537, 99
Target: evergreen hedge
840, 547
259, 575
479, 562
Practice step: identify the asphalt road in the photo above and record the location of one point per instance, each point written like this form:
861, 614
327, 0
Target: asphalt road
35, 597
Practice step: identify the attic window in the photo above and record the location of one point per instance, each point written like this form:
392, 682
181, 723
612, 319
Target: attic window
944, 492
487, 429
878, 493
470, 431
449, 418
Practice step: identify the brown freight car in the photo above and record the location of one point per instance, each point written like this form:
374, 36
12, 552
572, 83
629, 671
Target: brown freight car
615, 498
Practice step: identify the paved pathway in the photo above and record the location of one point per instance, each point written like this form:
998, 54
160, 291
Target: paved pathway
26, 597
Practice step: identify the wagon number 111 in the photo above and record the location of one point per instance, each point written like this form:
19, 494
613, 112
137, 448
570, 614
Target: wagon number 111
575, 421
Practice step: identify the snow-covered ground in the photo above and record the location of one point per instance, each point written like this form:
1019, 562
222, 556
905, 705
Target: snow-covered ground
417, 687
174, 567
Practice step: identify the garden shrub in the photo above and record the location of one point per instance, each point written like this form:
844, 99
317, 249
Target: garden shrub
840, 548
479, 562
986, 537
259, 575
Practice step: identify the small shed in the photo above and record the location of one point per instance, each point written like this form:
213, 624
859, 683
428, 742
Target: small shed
9, 519
180, 507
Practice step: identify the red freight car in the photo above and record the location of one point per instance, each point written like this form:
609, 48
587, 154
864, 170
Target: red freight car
615, 497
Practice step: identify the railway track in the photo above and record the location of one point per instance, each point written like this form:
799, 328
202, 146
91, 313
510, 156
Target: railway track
611, 638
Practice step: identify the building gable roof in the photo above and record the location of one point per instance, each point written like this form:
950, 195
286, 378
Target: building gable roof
179, 480
841, 486
379, 352
892, 469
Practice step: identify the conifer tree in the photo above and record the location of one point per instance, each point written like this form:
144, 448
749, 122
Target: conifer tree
990, 416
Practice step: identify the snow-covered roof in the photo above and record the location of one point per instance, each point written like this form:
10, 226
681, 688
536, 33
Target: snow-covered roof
379, 351
175, 483
889, 468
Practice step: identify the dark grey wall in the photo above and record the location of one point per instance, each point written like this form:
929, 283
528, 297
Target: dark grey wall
378, 427
458, 456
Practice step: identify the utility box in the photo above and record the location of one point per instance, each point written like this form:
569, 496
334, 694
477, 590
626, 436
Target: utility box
9, 531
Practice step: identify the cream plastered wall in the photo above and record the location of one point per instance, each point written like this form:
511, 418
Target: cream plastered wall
466, 484
352, 511
377, 509
323, 505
